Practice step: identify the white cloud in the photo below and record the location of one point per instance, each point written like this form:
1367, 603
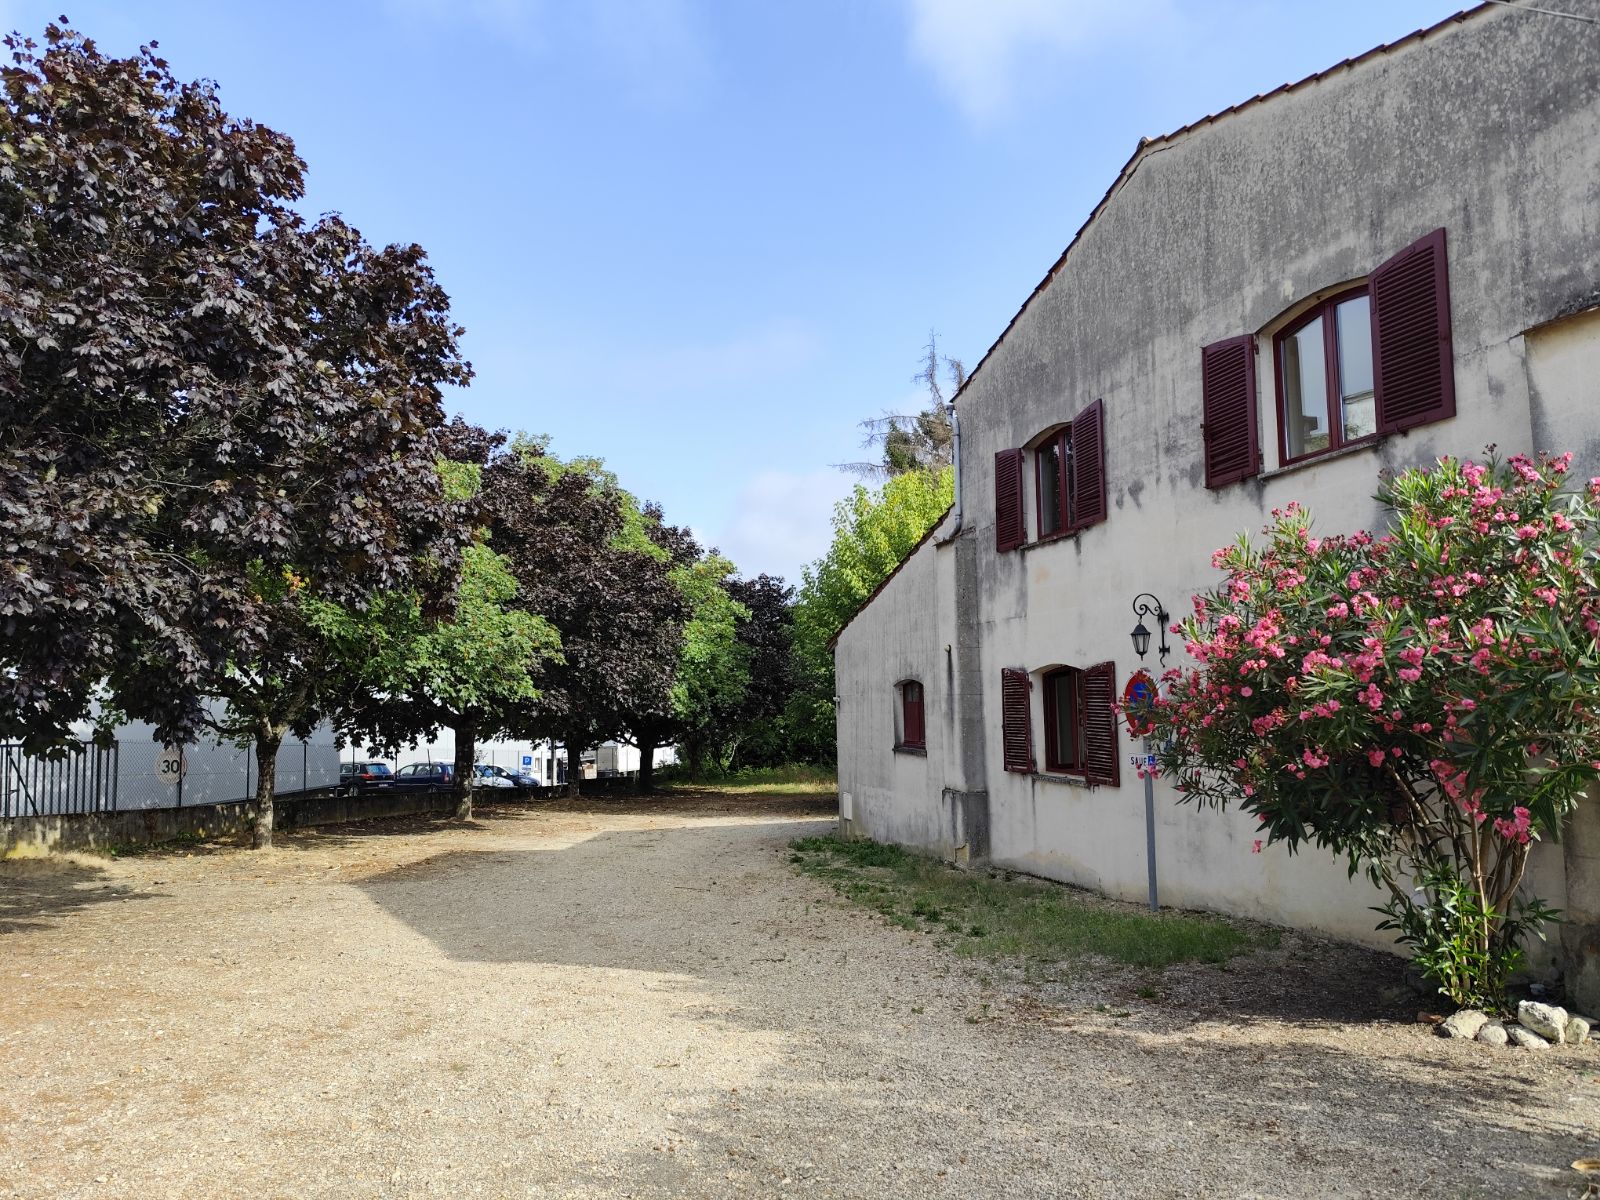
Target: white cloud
781, 520
980, 51
655, 49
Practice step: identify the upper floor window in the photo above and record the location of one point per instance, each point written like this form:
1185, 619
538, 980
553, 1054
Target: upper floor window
1053, 481
1372, 360
1069, 481
1326, 399
913, 726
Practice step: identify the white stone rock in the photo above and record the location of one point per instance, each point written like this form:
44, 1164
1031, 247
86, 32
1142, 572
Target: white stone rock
1527, 1040
1493, 1033
1546, 1020
1577, 1031
1463, 1024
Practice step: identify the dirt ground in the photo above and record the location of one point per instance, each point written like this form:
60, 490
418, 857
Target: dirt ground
632, 1000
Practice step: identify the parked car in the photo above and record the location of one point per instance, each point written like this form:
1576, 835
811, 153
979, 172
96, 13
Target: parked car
358, 777
492, 776
425, 777
487, 777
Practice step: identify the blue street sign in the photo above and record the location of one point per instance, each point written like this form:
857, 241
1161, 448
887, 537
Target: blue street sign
527, 760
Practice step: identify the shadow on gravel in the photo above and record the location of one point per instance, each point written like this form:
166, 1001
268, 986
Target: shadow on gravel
35, 892
1119, 1119
669, 900
659, 900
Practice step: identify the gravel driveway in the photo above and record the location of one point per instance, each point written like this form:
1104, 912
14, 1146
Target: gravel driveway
647, 1001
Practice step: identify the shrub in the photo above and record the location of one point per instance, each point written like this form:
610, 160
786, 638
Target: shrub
1425, 703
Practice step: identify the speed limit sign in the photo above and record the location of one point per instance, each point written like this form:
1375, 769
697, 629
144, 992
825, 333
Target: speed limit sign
170, 765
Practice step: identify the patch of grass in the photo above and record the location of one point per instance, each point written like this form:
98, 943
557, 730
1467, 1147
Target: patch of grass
997, 916
793, 779
178, 841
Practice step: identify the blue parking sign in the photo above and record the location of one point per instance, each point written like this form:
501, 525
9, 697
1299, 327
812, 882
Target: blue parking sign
527, 760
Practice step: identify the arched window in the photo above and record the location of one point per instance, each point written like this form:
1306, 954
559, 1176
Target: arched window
913, 727
1325, 378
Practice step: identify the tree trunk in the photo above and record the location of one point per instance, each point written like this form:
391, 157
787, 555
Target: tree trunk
697, 758
647, 765
268, 739
574, 764
466, 773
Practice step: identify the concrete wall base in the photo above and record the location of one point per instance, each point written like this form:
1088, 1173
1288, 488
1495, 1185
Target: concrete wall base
967, 815
148, 827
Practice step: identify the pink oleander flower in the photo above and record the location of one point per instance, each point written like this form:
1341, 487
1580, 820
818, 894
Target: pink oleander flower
1518, 828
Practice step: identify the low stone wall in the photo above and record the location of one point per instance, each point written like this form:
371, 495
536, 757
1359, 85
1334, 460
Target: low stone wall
151, 826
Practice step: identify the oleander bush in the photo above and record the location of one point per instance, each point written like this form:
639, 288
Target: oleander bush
1424, 702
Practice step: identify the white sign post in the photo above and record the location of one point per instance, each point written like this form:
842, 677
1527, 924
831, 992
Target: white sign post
170, 767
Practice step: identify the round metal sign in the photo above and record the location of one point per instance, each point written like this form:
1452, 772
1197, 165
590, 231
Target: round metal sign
1137, 699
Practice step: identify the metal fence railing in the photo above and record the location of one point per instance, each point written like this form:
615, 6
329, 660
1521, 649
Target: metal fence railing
83, 781
126, 776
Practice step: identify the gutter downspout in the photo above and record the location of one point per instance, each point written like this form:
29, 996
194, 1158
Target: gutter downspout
955, 444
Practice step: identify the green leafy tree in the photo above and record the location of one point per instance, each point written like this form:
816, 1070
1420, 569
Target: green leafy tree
873, 533
586, 556
211, 408
410, 670
758, 732
714, 664
470, 673
1425, 703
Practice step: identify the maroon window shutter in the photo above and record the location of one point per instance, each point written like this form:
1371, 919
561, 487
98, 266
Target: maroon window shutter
1228, 410
1413, 370
1100, 725
1016, 720
1089, 466
1010, 531
915, 728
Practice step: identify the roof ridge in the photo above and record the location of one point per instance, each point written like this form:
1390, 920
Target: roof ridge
1148, 145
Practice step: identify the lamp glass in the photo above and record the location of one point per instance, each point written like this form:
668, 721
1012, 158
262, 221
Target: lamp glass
1141, 639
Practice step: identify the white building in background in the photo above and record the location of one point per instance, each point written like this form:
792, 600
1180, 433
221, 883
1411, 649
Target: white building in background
544, 760
1392, 260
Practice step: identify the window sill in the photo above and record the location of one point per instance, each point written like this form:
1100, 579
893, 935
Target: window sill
1054, 539
1342, 452
1076, 781
917, 751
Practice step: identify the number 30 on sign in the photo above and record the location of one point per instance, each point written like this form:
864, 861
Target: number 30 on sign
170, 765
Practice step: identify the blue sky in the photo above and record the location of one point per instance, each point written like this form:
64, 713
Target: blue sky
704, 238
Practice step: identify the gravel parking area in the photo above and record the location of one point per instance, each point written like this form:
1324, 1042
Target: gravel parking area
645, 1000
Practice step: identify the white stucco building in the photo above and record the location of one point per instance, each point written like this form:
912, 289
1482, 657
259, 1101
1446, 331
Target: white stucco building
1204, 350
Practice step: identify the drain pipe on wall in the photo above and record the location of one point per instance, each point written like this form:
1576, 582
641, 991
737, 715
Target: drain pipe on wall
955, 452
